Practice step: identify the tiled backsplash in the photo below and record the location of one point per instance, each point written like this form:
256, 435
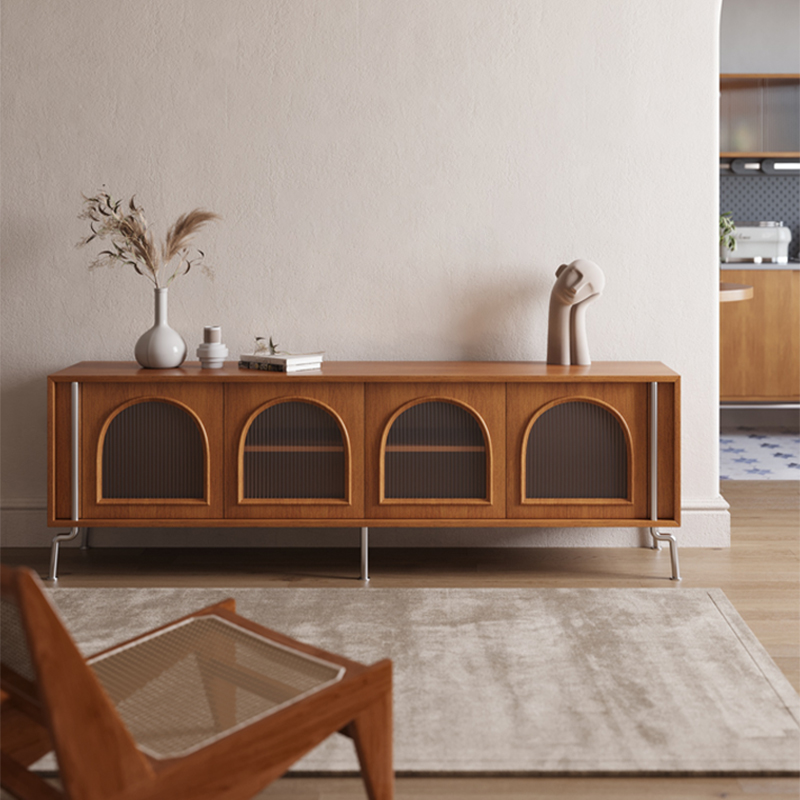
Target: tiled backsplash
752, 198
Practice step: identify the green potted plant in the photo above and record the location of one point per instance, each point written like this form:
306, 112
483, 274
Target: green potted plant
727, 242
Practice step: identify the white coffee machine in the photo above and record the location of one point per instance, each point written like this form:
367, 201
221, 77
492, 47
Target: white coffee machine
759, 243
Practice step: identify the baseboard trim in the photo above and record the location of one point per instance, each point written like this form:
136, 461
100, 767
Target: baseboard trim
24, 504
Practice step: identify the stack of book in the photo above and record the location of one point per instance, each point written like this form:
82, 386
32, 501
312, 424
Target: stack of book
282, 362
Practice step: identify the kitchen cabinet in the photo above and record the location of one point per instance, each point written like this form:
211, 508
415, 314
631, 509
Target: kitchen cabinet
760, 338
758, 115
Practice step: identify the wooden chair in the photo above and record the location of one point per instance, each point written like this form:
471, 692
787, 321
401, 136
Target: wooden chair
265, 700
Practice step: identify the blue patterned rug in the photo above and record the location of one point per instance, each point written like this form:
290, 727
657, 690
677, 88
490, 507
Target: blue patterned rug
759, 454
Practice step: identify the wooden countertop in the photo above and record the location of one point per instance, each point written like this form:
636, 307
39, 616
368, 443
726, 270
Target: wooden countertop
732, 292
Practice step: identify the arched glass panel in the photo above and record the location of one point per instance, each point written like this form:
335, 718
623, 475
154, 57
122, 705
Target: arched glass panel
435, 450
294, 450
576, 449
153, 450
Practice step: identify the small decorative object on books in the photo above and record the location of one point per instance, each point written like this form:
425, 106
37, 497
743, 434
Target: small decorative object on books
579, 284
212, 353
264, 348
132, 245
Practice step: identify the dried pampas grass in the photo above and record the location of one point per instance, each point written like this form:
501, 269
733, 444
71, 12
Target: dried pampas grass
132, 242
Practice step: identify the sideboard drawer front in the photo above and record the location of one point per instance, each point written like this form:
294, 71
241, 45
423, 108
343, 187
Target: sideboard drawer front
149, 451
435, 451
578, 451
294, 450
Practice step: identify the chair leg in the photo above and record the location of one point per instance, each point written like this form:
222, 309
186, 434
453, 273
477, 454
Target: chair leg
371, 732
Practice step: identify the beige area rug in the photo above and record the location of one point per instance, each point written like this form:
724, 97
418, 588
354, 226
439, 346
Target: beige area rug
523, 681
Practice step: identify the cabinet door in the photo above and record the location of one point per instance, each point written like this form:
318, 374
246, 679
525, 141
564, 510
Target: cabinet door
760, 338
151, 451
294, 450
435, 451
758, 115
578, 452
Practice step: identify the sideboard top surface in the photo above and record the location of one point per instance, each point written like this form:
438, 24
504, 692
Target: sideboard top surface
377, 371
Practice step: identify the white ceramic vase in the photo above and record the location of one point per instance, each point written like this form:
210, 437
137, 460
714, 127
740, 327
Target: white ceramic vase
161, 347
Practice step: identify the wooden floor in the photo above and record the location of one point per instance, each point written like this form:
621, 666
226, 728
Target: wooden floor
760, 574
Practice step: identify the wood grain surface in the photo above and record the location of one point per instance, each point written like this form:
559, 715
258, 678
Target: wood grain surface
760, 338
378, 371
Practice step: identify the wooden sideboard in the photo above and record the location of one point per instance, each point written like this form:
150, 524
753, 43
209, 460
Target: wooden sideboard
365, 444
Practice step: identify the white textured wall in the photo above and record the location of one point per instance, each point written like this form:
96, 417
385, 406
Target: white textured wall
399, 179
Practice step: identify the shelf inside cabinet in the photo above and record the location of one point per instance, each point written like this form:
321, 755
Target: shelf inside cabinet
760, 154
432, 448
310, 448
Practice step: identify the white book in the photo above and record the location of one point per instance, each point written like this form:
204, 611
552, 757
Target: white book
267, 367
285, 359
303, 367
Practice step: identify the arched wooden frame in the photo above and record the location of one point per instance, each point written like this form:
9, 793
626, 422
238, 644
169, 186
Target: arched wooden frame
348, 473
487, 441
576, 500
159, 500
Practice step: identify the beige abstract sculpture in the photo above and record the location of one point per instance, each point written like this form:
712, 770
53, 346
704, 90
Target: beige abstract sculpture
577, 286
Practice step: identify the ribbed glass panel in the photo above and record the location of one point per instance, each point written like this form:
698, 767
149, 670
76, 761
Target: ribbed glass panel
294, 450
153, 450
435, 450
576, 450
759, 116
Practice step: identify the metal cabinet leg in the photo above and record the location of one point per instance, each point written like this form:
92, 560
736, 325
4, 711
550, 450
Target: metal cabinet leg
61, 537
85, 539
673, 549
75, 489
365, 555
659, 537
